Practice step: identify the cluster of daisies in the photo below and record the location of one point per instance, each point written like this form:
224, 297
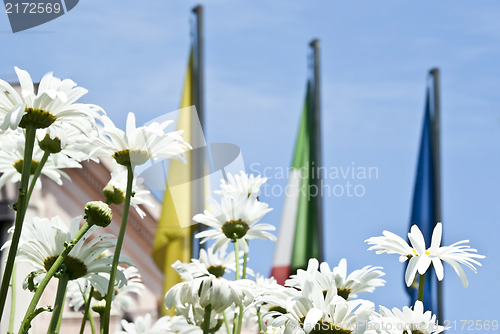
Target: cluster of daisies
317, 300
44, 130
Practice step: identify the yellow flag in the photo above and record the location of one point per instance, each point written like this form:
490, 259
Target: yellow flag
173, 242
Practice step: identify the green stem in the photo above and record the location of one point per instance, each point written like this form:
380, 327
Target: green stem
12, 299
26, 323
259, 320
21, 204
235, 322
38, 171
240, 319
206, 319
421, 285
237, 259
92, 325
238, 323
243, 276
101, 321
55, 321
226, 322
86, 313
245, 260
116, 257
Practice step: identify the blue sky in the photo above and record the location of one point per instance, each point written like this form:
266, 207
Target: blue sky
375, 56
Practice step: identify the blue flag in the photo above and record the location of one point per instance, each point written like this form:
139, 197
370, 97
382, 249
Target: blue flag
424, 201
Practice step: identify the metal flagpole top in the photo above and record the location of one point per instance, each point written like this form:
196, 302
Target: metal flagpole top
198, 9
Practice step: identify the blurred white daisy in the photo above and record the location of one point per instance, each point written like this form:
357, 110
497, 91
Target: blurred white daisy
180, 325
267, 297
348, 286
53, 102
123, 298
219, 293
211, 262
12, 156
234, 219
191, 317
408, 320
137, 145
65, 139
115, 190
44, 239
246, 184
421, 258
145, 325
314, 312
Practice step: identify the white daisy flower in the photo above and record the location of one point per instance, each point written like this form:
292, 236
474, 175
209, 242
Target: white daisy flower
137, 145
234, 219
421, 258
145, 325
12, 156
411, 321
316, 313
210, 262
124, 295
53, 102
348, 286
246, 184
219, 293
268, 297
43, 240
115, 190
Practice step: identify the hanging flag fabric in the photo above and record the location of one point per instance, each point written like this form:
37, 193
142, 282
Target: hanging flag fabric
173, 242
298, 238
424, 198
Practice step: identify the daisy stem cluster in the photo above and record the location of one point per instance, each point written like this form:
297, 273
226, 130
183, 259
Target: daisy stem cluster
26, 323
116, 257
21, 207
86, 312
55, 321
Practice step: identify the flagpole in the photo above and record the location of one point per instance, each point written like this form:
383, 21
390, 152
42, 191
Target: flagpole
436, 148
198, 159
317, 179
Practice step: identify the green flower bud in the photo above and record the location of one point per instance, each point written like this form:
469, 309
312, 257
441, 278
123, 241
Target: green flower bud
98, 213
50, 145
113, 195
99, 307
